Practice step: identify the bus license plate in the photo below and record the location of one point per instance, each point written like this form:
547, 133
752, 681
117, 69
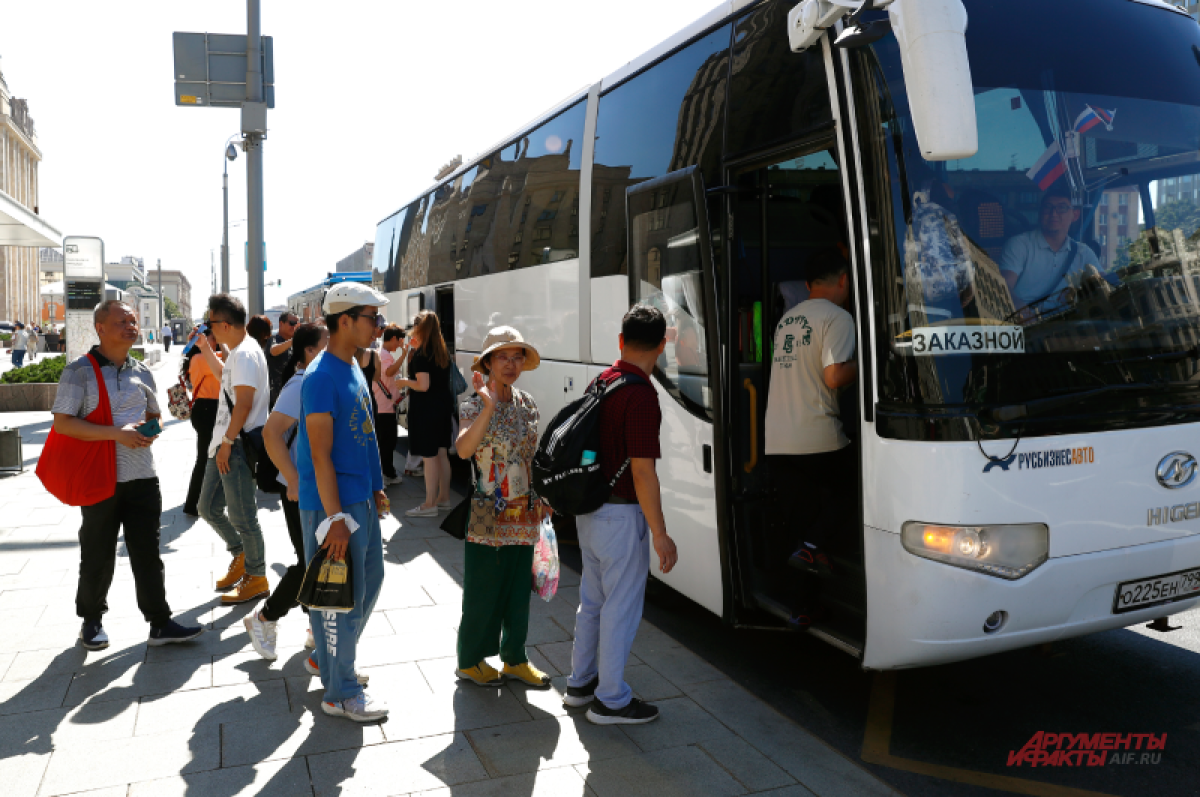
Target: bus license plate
1145, 592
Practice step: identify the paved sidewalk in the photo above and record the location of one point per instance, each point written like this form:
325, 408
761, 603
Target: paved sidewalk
212, 718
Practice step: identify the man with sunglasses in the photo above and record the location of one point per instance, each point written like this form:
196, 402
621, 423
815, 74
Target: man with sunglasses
281, 350
228, 478
1041, 264
341, 492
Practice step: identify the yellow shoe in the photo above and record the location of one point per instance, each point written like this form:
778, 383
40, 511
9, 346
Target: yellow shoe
528, 674
237, 570
482, 674
247, 589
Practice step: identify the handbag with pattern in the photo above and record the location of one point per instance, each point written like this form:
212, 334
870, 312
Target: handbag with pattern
178, 403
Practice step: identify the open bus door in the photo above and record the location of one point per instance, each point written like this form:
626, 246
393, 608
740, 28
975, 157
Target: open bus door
785, 208
671, 267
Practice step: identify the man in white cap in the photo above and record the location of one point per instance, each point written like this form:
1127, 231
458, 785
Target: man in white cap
341, 492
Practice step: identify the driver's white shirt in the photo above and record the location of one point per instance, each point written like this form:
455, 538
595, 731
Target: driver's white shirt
1040, 270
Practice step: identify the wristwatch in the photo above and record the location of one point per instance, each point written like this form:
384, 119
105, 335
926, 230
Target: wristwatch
227, 440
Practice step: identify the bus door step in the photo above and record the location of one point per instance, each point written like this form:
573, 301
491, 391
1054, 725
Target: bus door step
821, 631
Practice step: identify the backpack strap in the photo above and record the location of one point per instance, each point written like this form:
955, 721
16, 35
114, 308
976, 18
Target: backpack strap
616, 384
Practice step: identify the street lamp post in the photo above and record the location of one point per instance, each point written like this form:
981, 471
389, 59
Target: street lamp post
230, 154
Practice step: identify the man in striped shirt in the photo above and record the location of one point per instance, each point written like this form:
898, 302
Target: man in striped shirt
136, 505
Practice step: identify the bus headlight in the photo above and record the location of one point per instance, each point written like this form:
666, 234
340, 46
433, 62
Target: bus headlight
1010, 551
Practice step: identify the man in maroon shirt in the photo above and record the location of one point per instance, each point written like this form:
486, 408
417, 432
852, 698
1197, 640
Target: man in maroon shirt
614, 538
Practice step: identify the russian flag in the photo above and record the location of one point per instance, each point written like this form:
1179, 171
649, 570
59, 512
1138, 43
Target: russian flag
1092, 117
1049, 167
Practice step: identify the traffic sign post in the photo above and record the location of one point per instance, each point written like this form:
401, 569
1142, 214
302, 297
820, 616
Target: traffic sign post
232, 71
210, 70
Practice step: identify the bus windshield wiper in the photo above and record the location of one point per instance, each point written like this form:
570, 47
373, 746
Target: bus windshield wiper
1012, 412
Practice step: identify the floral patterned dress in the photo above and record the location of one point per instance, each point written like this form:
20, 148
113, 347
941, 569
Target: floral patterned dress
502, 464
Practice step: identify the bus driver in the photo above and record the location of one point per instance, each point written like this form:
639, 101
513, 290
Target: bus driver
807, 449
1040, 263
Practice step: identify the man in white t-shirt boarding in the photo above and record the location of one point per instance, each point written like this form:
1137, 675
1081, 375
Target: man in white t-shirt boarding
242, 410
807, 450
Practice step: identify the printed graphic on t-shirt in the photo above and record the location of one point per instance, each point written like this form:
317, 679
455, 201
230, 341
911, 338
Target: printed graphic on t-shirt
798, 333
362, 420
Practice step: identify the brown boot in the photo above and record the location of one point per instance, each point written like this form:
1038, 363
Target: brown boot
247, 589
237, 569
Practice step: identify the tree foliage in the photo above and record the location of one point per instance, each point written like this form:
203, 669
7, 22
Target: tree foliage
171, 309
1178, 215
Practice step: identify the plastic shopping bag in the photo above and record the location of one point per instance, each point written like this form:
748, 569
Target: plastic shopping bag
545, 562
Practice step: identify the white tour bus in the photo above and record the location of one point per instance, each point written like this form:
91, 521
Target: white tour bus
1024, 441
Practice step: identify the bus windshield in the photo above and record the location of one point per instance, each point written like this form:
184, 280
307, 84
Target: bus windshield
1064, 256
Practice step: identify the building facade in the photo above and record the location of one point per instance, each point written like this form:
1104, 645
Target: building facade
359, 260
129, 272
51, 265
177, 288
144, 301
307, 304
1185, 188
19, 159
1117, 225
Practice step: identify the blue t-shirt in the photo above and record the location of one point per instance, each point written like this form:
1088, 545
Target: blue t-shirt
340, 389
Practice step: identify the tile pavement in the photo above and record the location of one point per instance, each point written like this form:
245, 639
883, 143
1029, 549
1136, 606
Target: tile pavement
212, 718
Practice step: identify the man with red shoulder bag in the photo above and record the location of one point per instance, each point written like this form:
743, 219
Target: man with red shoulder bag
125, 395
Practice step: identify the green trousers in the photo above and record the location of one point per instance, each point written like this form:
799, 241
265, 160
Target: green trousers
495, 610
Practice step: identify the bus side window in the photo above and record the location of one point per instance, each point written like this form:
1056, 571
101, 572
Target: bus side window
667, 239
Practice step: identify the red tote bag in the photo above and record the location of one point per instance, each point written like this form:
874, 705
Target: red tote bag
81, 472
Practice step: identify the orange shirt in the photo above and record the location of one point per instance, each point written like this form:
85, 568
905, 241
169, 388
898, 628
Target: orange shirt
204, 384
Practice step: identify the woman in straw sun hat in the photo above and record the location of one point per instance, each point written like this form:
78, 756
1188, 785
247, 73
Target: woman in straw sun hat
499, 428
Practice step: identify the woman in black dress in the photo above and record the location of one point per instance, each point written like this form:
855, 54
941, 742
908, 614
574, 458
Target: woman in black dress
430, 407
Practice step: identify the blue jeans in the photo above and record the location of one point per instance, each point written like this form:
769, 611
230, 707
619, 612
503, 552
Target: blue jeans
615, 542
337, 633
18, 358
240, 529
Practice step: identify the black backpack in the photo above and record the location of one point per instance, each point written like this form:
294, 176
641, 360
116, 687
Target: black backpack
559, 473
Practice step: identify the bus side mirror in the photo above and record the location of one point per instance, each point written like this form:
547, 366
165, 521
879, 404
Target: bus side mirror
933, 52
941, 97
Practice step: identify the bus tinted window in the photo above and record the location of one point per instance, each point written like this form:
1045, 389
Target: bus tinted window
774, 93
413, 247
665, 119
385, 260
518, 207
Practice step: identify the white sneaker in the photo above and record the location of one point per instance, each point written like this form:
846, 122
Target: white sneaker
420, 511
360, 708
309, 642
390, 480
262, 636
445, 505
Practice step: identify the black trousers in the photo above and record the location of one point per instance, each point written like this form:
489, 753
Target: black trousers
204, 418
283, 599
166, 344
814, 502
386, 432
135, 507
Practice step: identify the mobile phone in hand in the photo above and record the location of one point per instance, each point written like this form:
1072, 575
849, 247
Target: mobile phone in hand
151, 428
